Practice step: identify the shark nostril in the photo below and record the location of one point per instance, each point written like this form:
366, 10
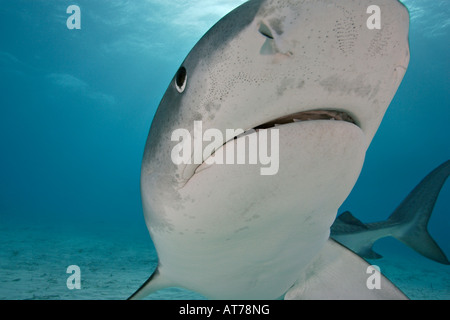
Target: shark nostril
265, 31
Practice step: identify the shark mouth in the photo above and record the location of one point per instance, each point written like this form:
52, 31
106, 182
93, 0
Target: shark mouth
332, 115
312, 115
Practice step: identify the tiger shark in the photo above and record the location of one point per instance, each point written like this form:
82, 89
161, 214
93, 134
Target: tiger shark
312, 70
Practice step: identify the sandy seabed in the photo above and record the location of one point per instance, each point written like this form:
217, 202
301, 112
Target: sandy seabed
114, 263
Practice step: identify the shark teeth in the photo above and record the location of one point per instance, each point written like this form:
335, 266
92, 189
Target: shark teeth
333, 115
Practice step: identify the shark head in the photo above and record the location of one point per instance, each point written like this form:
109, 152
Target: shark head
315, 72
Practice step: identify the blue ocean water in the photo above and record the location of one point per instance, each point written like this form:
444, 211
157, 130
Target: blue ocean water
76, 107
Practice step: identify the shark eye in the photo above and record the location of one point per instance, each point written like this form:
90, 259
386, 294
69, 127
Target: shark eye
181, 80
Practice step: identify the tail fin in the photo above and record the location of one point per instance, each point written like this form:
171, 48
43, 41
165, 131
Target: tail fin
415, 211
153, 284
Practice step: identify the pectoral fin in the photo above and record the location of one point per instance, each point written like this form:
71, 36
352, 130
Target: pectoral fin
339, 274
